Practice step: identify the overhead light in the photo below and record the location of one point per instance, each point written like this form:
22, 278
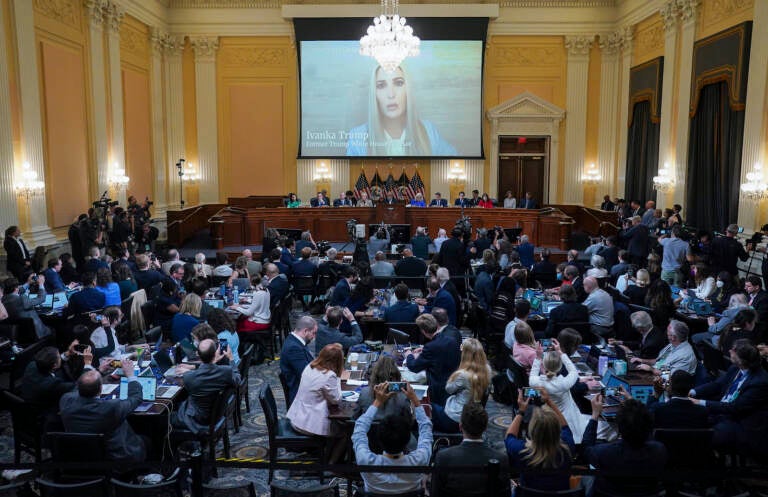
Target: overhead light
389, 39
665, 181
755, 188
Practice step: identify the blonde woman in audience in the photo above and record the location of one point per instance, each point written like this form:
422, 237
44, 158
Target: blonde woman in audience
187, 318
545, 373
138, 325
524, 349
467, 384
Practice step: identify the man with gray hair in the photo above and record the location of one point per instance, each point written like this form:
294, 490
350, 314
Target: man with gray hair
382, 267
442, 236
254, 267
600, 305
173, 258
444, 278
678, 355
305, 241
420, 243
726, 251
652, 339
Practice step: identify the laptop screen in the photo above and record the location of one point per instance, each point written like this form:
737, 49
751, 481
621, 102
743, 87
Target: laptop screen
216, 303
535, 303
643, 393
612, 381
148, 387
59, 300
48, 302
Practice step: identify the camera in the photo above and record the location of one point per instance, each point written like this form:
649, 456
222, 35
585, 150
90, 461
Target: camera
396, 386
608, 392
323, 247
546, 344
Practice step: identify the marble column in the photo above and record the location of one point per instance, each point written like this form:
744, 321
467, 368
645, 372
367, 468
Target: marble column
174, 102
576, 120
627, 34
666, 143
754, 118
610, 45
96, 14
688, 12
38, 232
8, 212
438, 178
159, 169
113, 14
474, 169
205, 48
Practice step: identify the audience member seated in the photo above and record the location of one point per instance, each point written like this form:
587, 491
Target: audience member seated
678, 412
622, 266
287, 256
473, 451
524, 348
89, 298
109, 288
468, 384
394, 434
639, 290
597, 270
573, 277
737, 302
677, 355
544, 270
187, 318
522, 310
381, 267
68, 272
167, 305
705, 283
652, 338
384, 370
125, 280
331, 267
358, 300
42, 385
147, 275
203, 385
343, 288
255, 316
305, 267
758, 299
202, 270
570, 311
18, 304
53, 281
82, 411
742, 327
725, 286
276, 284
444, 326
104, 338
410, 265
402, 311
296, 355
173, 259
544, 459
439, 297
635, 460
328, 332
224, 328
439, 358
94, 261
484, 280
319, 388
222, 266
738, 403
600, 305
239, 272
659, 300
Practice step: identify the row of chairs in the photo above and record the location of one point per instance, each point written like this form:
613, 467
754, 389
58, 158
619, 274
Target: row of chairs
112, 487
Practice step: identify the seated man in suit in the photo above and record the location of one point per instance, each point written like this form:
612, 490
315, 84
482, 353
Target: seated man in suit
88, 299
528, 202
439, 297
473, 451
677, 355
82, 411
276, 258
382, 267
402, 311
758, 299
53, 281
679, 412
18, 304
738, 402
438, 201
444, 326
570, 311
634, 454
147, 274
410, 265
203, 385
331, 267
319, 201
277, 284
652, 339
462, 201
296, 355
440, 358
329, 332
304, 267
344, 287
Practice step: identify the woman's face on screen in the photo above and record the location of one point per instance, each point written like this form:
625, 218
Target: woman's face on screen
390, 93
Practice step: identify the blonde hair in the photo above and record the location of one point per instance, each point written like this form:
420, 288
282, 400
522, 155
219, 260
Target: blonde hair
191, 305
552, 364
642, 278
544, 449
414, 128
524, 334
138, 326
474, 365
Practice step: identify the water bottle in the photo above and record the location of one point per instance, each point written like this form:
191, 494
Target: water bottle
602, 365
223, 290
136, 369
235, 296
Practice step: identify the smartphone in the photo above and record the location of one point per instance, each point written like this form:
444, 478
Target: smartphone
34, 277
609, 392
396, 386
531, 393
80, 347
546, 344
99, 318
223, 344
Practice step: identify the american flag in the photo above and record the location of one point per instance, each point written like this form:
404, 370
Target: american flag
361, 185
402, 185
376, 181
415, 185
390, 186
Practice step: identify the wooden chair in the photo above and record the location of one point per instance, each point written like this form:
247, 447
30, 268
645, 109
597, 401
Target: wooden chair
92, 488
530, 492
169, 488
28, 424
242, 389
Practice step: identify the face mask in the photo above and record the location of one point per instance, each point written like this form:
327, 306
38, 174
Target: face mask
720, 284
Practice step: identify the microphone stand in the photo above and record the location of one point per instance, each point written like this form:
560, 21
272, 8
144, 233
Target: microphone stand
180, 167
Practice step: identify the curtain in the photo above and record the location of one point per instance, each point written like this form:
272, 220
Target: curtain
642, 155
714, 160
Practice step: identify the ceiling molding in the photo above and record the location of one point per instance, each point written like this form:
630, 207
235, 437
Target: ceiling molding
407, 10
557, 3
153, 13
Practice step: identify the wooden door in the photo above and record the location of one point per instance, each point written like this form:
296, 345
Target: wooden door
521, 175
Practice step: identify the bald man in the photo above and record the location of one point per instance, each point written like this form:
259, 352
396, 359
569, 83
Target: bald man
83, 411
410, 265
600, 305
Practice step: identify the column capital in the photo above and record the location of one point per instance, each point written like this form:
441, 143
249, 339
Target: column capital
113, 15
688, 10
578, 45
95, 10
172, 44
610, 43
205, 47
627, 34
668, 14
157, 40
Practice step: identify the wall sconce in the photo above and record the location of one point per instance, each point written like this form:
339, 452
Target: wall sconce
755, 188
190, 174
591, 176
118, 181
456, 174
29, 186
664, 182
322, 173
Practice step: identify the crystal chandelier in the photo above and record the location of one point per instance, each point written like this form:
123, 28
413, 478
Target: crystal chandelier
29, 186
755, 188
118, 180
664, 182
591, 176
389, 40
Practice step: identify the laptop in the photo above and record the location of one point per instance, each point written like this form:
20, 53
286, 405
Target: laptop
643, 393
535, 303
60, 300
215, 303
148, 388
46, 304
547, 306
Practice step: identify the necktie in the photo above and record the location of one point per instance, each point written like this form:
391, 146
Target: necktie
733, 387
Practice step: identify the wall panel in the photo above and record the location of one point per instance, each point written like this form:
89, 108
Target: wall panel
66, 131
138, 140
649, 40
717, 15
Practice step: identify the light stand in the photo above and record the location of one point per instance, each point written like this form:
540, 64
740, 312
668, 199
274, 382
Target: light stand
180, 167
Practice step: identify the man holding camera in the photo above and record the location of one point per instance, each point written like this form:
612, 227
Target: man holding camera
756, 239
726, 251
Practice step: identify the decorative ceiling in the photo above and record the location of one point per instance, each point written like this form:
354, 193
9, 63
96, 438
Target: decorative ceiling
244, 4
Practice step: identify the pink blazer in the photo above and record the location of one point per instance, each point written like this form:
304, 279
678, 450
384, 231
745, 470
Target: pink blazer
317, 390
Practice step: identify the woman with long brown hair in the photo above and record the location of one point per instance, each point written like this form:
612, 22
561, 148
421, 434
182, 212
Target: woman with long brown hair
320, 387
467, 384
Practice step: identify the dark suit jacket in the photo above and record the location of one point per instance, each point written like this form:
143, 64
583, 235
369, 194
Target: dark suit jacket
578, 285
43, 390
438, 203
651, 346
148, 278
462, 202
401, 311
94, 415
293, 359
567, 312
637, 240
452, 332
327, 335
439, 358
87, 299
445, 300
304, 267
468, 453
21, 306
277, 288
749, 408
607, 206
679, 414
410, 266
453, 256
760, 304
202, 385
611, 256
341, 292
314, 202
15, 256
528, 203
726, 252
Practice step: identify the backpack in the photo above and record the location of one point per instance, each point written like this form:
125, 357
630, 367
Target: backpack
503, 389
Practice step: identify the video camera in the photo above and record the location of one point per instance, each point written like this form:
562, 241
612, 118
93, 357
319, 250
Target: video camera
322, 248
